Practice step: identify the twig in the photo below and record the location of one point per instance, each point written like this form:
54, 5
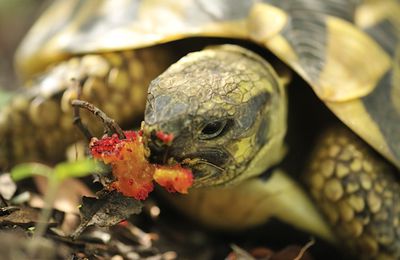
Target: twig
241, 253
78, 122
304, 249
110, 125
78, 85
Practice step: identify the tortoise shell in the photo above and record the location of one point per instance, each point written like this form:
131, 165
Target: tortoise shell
347, 51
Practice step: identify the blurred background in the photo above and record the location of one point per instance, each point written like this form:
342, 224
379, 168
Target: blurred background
16, 17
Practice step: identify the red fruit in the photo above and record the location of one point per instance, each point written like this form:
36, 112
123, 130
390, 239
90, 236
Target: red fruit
174, 179
165, 138
134, 174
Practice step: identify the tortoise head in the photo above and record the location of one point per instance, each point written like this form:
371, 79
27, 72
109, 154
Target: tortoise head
225, 107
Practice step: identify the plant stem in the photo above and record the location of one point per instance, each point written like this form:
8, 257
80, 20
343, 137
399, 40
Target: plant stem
49, 198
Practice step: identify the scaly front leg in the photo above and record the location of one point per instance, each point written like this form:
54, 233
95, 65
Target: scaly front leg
357, 191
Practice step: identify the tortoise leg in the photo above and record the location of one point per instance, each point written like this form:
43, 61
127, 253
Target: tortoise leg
357, 191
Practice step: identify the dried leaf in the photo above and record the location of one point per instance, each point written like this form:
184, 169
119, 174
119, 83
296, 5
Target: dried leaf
23, 216
109, 209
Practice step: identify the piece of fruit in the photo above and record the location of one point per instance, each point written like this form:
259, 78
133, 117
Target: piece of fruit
174, 179
134, 174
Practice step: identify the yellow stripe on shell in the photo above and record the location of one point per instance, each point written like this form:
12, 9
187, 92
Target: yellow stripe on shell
362, 124
265, 24
266, 21
373, 12
354, 63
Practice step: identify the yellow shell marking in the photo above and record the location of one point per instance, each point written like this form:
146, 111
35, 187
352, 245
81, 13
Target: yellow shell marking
362, 124
266, 21
371, 13
354, 63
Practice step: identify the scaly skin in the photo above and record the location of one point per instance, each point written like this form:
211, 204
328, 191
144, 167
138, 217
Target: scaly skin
227, 89
357, 191
38, 125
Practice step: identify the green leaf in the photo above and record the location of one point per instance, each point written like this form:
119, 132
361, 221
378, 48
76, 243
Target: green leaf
5, 97
27, 170
76, 169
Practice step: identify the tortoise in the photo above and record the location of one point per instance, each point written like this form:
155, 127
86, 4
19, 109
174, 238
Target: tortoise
227, 104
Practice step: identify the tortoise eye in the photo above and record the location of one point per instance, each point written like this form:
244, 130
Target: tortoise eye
212, 129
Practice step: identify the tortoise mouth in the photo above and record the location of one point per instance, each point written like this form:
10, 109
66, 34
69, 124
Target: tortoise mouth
206, 174
207, 164
216, 157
